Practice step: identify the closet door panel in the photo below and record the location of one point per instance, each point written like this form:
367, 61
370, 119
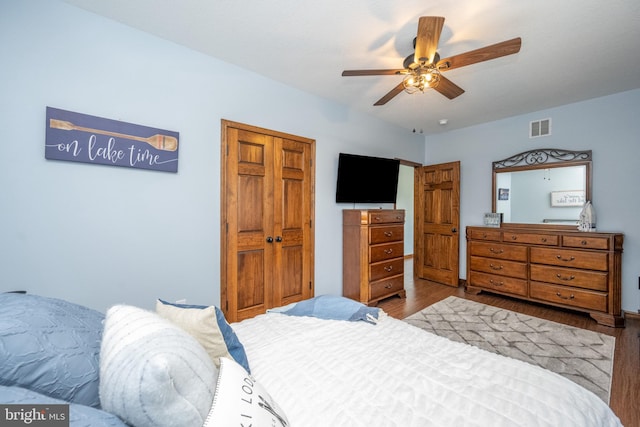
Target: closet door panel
249, 217
292, 223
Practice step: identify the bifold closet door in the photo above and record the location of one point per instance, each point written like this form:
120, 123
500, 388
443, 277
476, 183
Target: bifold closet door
267, 220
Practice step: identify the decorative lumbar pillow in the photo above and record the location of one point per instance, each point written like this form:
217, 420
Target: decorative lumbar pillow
240, 400
50, 346
208, 325
153, 373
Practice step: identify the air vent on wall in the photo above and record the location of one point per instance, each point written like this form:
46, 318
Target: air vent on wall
540, 128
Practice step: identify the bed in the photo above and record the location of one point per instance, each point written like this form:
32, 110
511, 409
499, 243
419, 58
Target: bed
351, 365
340, 373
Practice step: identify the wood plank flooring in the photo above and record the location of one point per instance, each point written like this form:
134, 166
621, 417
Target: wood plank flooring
625, 387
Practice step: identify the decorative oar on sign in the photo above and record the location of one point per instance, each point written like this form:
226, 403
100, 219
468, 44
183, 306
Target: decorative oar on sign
161, 142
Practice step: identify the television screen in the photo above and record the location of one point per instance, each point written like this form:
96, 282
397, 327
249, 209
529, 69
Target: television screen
365, 179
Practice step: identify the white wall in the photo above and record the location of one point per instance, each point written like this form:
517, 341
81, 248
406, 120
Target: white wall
100, 235
609, 126
405, 201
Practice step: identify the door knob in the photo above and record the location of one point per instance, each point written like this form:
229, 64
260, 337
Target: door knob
454, 230
278, 239
269, 239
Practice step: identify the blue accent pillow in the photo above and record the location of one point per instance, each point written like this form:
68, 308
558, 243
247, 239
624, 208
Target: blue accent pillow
50, 346
204, 329
333, 308
79, 415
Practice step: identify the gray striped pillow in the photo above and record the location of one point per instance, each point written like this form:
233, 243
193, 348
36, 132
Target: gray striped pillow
153, 373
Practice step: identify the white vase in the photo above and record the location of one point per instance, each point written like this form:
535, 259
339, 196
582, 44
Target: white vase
587, 218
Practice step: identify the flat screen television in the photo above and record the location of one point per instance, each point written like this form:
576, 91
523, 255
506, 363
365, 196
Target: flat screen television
365, 179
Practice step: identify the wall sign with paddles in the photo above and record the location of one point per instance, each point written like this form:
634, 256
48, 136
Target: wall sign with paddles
79, 137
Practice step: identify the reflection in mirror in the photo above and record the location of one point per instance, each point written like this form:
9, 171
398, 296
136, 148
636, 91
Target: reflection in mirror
542, 186
551, 195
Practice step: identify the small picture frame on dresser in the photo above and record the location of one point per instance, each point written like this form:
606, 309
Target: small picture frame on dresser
492, 219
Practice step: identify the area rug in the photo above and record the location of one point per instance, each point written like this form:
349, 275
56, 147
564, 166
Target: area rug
583, 356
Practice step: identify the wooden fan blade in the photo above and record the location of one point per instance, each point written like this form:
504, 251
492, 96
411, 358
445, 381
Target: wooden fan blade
448, 88
429, 29
393, 92
497, 50
373, 72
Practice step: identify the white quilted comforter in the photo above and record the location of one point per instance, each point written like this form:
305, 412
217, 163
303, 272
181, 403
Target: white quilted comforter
329, 373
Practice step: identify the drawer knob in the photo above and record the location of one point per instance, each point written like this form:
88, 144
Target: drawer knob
388, 251
559, 295
571, 258
496, 283
543, 240
388, 286
388, 233
495, 267
583, 243
495, 251
566, 278
388, 268
514, 237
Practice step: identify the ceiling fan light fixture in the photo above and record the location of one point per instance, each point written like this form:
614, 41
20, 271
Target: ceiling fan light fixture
422, 68
420, 79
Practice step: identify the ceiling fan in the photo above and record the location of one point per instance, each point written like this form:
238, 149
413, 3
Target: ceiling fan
423, 68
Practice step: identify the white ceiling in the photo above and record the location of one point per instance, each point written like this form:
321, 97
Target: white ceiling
572, 50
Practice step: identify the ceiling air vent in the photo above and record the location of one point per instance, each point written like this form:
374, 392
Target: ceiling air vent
540, 128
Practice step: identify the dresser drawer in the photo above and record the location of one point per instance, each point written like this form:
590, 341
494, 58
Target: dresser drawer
383, 269
585, 241
570, 258
385, 234
498, 250
386, 287
499, 266
383, 217
594, 280
499, 283
571, 297
531, 238
386, 251
495, 235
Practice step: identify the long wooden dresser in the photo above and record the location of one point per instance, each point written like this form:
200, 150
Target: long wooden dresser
372, 254
564, 268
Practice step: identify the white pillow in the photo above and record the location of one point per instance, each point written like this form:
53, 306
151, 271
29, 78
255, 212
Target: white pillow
240, 400
199, 323
153, 373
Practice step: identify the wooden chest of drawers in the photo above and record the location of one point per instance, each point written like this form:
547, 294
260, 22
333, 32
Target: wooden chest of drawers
565, 268
372, 254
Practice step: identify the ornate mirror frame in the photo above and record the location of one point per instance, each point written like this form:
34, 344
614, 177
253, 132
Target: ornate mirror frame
542, 158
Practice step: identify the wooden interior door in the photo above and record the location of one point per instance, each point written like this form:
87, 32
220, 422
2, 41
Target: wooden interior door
267, 208
437, 223
293, 221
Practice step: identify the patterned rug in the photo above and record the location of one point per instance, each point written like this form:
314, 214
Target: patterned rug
583, 356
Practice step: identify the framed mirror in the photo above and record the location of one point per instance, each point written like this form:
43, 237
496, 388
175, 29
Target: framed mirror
546, 187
